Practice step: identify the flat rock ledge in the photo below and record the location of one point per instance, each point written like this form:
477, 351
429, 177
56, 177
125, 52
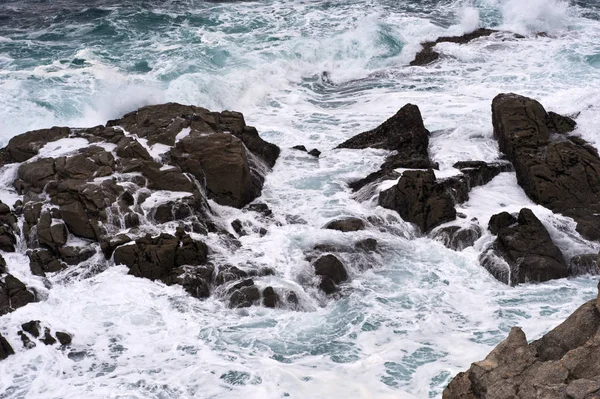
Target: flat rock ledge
563, 364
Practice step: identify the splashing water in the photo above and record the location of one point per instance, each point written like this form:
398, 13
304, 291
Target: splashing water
311, 73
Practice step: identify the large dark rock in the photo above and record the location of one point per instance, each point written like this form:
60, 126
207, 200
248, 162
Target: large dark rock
222, 161
526, 248
419, 199
558, 171
155, 258
563, 364
479, 173
332, 272
42, 261
5, 349
404, 133
427, 55
13, 294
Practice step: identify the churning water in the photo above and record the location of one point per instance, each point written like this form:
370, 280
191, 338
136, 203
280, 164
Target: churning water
310, 72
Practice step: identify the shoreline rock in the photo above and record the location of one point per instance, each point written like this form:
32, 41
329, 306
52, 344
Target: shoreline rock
563, 364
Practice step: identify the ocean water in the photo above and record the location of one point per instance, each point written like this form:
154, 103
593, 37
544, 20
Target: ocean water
308, 72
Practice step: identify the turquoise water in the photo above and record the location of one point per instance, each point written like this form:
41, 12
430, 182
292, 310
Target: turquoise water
311, 73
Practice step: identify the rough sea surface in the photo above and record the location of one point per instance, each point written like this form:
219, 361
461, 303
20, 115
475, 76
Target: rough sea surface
303, 72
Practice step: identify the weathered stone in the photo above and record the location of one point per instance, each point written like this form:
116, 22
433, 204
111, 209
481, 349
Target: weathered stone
32, 327
527, 249
584, 264
42, 261
131, 148
419, 199
27, 145
557, 171
13, 294
367, 245
563, 364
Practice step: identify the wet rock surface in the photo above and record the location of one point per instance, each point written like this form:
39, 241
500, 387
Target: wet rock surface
403, 133
554, 169
563, 364
428, 55
419, 198
523, 250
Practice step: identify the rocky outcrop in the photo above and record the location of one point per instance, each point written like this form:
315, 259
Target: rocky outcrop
523, 250
97, 193
404, 133
554, 169
419, 199
156, 258
428, 55
563, 364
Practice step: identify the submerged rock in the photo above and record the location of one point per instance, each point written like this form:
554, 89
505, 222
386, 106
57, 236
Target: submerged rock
346, 224
563, 364
523, 251
427, 55
558, 171
458, 237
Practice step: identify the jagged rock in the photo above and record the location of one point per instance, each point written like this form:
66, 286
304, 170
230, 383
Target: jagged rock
419, 199
315, 153
527, 249
32, 327
109, 244
563, 364
270, 298
458, 237
332, 272
427, 55
64, 338
501, 221
5, 349
42, 261
300, 148
346, 224
404, 133
2, 265
52, 234
25, 146
13, 294
131, 148
558, 171
7, 239
156, 257
196, 281
222, 160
